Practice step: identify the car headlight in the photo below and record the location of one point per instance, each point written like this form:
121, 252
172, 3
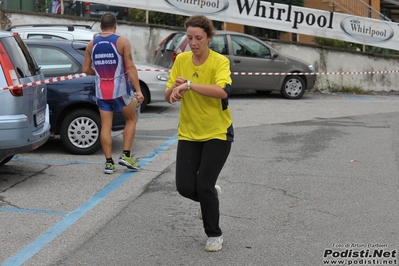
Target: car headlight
311, 67
163, 77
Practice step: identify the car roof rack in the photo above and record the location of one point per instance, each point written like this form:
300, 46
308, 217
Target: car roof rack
70, 27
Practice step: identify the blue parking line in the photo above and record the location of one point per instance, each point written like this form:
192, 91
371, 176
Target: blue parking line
358, 97
152, 137
48, 236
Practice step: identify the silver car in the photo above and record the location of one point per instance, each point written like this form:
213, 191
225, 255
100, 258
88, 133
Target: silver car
24, 113
254, 64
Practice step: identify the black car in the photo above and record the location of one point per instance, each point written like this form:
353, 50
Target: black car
74, 115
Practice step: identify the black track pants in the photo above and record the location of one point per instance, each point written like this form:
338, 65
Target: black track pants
198, 165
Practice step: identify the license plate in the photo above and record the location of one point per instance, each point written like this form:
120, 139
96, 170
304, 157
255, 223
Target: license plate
39, 118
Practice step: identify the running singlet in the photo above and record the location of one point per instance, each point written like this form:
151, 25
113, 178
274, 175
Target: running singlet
111, 78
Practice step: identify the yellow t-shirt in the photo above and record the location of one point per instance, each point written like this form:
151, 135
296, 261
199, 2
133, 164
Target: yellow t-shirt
203, 118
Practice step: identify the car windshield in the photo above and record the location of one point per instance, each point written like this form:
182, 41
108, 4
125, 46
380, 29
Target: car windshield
174, 42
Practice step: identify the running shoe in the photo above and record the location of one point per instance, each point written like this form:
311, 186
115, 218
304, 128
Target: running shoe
128, 162
109, 168
214, 244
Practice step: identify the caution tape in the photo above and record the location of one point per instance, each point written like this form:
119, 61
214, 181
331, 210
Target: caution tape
75, 76
311, 73
154, 70
81, 75
41, 82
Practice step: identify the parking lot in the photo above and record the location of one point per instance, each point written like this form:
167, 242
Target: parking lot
304, 178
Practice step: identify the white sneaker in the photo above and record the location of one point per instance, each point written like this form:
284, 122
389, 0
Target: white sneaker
214, 244
219, 191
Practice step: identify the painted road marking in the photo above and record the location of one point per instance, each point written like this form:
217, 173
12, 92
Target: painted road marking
48, 236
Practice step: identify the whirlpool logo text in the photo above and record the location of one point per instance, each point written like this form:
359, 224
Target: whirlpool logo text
367, 31
206, 7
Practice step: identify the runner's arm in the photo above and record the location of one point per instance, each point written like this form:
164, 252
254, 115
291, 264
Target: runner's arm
87, 68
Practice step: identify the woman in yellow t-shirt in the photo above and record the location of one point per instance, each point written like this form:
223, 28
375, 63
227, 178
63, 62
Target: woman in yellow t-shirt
200, 80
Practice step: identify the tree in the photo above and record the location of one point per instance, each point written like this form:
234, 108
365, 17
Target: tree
160, 18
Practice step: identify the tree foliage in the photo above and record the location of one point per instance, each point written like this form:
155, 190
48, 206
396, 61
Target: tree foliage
353, 46
159, 18
41, 5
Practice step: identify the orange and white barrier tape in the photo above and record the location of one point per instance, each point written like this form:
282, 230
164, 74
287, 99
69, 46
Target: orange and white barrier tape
311, 73
75, 76
40, 82
154, 70
81, 75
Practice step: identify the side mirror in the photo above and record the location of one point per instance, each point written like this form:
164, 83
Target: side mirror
274, 56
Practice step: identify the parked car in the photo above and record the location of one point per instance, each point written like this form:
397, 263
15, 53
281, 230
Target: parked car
75, 32
169, 48
96, 10
73, 102
24, 113
247, 54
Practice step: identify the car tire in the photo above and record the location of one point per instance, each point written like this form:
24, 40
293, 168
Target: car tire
80, 132
6, 160
147, 97
293, 87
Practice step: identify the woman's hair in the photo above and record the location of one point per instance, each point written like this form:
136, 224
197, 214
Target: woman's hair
202, 22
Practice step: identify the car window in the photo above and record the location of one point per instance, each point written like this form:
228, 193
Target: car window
219, 44
44, 36
174, 42
54, 61
20, 56
248, 47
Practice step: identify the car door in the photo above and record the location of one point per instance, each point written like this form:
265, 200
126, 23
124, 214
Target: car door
251, 61
57, 62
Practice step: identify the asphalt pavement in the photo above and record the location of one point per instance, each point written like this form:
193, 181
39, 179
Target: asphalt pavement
308, 182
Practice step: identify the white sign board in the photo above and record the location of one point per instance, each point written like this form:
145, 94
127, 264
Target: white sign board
280, 17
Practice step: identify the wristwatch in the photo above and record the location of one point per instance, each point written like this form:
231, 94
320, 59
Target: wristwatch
188, 85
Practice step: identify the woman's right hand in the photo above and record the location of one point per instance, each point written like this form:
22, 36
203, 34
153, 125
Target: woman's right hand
177, 93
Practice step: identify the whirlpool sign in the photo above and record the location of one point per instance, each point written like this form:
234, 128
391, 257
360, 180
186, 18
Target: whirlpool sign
280, 17
200, 6
367, 31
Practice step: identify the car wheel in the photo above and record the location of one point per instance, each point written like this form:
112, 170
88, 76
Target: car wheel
6, 160
147, 96
80, 132
293, 87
